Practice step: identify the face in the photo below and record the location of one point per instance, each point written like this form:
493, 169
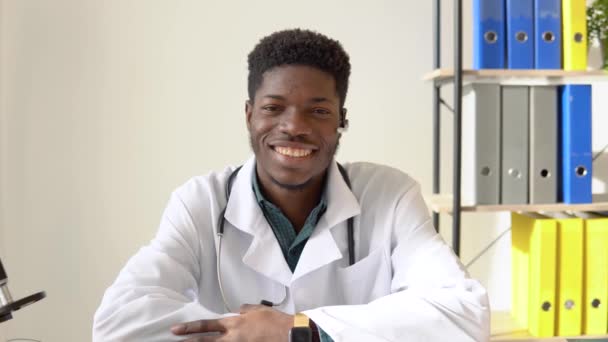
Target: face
292, 124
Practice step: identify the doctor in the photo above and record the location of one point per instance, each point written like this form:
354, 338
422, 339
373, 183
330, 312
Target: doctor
277, 231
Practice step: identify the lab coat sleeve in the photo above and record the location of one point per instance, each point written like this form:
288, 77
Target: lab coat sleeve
158, 287
432, 297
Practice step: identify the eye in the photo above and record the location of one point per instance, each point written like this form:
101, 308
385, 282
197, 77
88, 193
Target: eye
321, 111
271, 108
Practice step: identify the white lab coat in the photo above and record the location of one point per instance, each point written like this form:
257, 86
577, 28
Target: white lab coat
406, 285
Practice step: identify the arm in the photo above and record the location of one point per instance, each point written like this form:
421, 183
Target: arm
158, 287
432, 297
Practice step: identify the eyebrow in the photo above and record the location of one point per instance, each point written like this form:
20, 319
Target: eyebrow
313, 100
320, 99
276, 97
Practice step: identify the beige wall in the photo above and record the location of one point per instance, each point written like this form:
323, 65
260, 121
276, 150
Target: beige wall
107, 106
2, 162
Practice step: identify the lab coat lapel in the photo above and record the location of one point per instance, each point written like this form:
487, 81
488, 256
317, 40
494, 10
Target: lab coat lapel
321, 248
243, 212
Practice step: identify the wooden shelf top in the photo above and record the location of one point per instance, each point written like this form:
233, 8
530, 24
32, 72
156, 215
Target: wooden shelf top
520, 77
442, 203
505, 329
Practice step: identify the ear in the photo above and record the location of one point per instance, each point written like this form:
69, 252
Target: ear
248, 112
343, 121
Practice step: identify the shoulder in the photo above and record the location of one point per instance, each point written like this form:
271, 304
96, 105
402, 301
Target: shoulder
383, 179
204, 188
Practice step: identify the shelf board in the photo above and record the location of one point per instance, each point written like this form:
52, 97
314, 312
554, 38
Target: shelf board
503, 328
443, 204
519, 77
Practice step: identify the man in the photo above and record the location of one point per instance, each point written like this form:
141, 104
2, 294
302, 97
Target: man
277, 230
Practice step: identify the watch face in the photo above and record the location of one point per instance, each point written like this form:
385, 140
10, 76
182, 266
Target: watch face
300, 334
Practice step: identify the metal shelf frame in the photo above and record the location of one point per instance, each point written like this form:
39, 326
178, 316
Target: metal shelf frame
457, 76
457, 111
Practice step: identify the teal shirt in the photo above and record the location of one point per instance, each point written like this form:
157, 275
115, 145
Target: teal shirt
292, 244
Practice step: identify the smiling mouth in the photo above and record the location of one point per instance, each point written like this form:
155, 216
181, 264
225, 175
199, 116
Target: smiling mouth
292, 152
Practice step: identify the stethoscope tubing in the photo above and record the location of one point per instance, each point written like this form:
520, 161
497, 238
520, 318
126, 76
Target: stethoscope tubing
220, 235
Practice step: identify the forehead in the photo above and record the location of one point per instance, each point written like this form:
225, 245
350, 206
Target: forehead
297, 80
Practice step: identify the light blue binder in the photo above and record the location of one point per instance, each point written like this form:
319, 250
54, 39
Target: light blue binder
575, 144
547, 34
520, 34
489, 34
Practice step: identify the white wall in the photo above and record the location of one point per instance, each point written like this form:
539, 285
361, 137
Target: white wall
2, 161
107, 106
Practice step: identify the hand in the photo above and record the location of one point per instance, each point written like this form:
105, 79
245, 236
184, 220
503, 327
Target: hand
255, 323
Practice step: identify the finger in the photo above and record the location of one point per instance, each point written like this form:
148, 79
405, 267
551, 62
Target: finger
245, 308
204, 325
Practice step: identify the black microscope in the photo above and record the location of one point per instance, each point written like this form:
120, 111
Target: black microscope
7, 305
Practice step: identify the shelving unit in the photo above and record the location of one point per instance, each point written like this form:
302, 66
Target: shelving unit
443, 204
457, 76
503, 327
518, 77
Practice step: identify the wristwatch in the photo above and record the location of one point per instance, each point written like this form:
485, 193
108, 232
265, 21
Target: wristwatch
301, 331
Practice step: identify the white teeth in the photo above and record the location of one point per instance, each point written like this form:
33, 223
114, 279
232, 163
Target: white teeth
292, 152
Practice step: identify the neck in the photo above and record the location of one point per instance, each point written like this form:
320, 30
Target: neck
295, 202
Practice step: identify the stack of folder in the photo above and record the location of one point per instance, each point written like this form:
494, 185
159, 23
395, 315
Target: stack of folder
529, 34
526, 145
560, 273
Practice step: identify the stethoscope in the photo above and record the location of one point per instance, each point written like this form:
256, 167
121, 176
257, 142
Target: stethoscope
220, 234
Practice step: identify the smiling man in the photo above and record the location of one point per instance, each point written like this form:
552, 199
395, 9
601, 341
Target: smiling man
293, 246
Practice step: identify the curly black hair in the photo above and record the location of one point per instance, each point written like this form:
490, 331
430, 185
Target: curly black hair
299, 47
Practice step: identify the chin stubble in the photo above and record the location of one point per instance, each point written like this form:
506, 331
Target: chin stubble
292, 187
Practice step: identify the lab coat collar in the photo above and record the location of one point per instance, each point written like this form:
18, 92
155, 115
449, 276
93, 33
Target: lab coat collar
321, 248
264, 254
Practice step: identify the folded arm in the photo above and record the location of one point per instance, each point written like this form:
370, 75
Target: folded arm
158, 287
432, 297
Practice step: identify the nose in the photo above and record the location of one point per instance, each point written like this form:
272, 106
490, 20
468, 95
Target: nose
295, 122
